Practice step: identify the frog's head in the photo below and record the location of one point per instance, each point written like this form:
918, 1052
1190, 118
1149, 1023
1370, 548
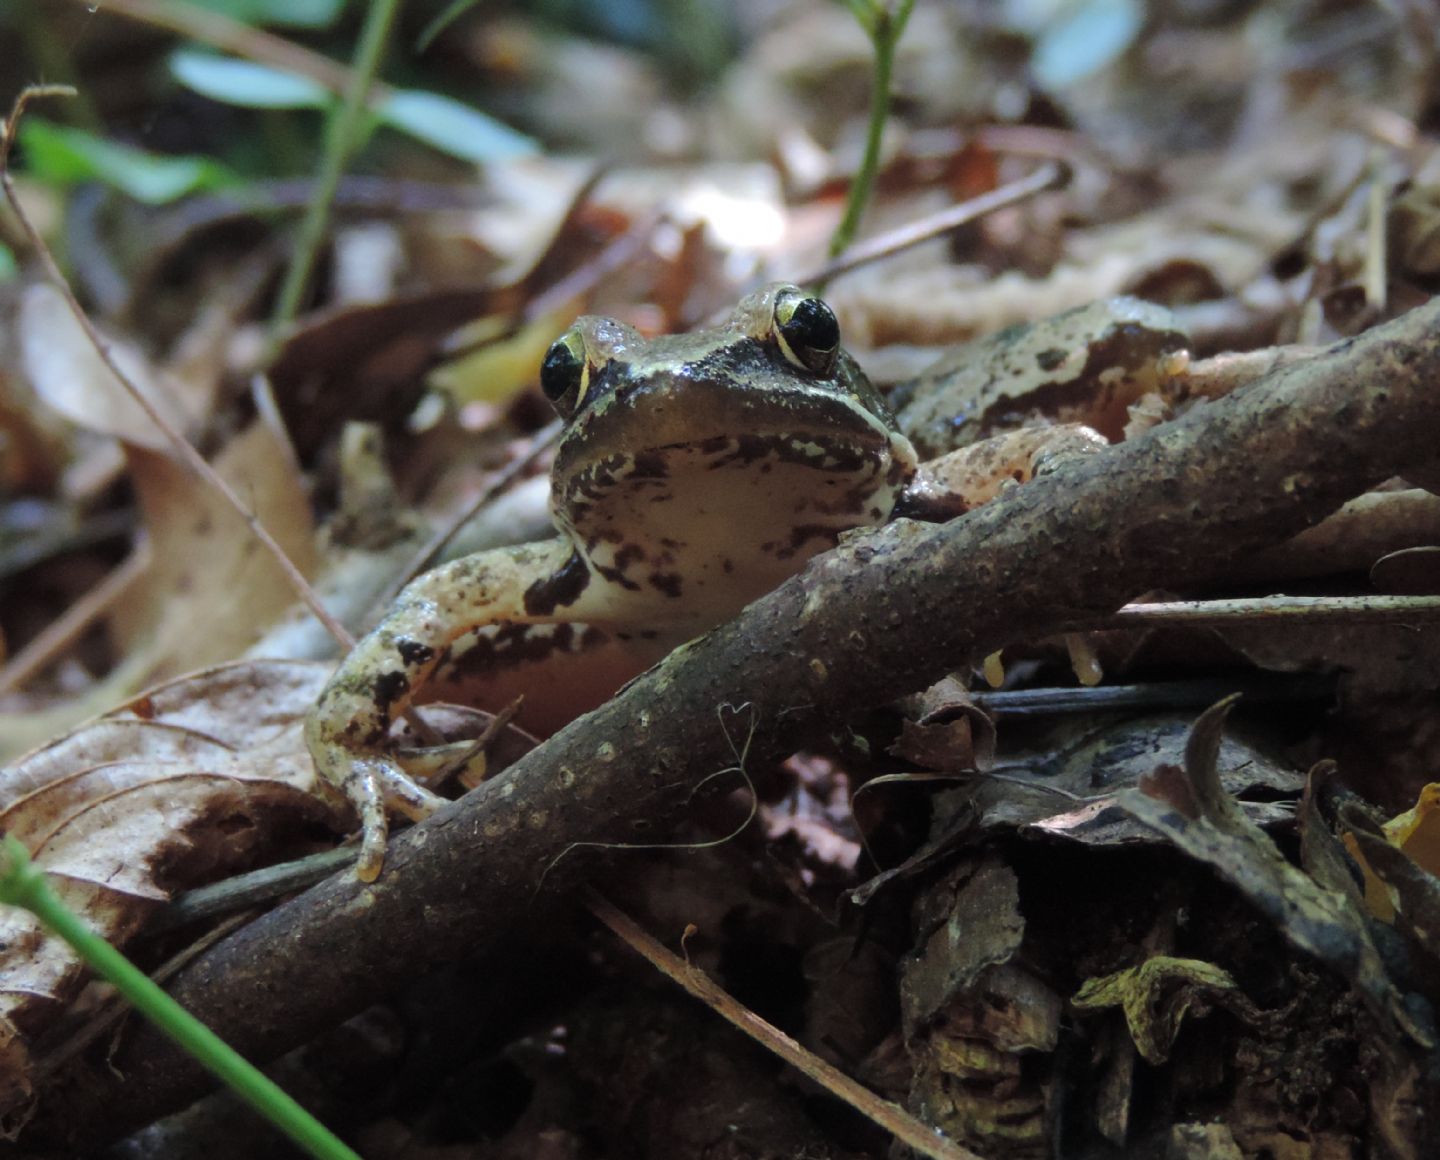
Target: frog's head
736, 452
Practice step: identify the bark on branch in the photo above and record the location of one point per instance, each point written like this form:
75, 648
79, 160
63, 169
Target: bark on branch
876, 618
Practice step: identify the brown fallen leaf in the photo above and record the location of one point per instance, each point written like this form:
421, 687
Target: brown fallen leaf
186, 784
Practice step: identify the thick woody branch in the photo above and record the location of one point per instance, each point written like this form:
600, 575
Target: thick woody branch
881, 616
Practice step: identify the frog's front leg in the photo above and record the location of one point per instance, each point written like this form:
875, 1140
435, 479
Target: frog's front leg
348, 729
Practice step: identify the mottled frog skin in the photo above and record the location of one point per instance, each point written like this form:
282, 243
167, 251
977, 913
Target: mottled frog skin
695, 473
1087, 365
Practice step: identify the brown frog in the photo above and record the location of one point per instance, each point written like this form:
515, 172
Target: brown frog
695, 473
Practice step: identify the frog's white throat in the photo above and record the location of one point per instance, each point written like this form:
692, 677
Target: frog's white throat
712, 525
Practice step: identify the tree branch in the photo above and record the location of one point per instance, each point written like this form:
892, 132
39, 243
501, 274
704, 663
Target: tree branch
883, 615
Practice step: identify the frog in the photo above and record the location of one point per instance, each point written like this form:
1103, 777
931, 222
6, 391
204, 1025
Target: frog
695, 473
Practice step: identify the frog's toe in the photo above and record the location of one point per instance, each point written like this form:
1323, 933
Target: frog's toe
373, 787
361, 785
405, 796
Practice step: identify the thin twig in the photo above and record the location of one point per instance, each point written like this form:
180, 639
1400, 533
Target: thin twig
1273, 610
1376, 273
188, 455
893, 1118
1049, 176
442, 535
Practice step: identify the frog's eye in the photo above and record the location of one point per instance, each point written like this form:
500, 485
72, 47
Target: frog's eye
565, 373
806, 331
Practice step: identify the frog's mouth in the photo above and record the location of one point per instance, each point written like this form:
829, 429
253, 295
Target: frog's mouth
653, 432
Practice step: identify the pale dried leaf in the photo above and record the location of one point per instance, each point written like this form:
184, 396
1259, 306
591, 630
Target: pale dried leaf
213, 588
68, 373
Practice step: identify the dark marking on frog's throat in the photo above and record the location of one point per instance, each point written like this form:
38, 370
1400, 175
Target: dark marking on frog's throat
627, 555
839, 455
616, 576
649, 465
559, 590
667, 582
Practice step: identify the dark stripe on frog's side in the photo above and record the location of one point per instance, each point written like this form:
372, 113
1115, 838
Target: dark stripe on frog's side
388, 688
559, 590
513, 645
413, 652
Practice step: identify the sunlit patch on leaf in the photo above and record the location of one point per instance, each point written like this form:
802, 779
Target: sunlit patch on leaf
494, 364
1416, 834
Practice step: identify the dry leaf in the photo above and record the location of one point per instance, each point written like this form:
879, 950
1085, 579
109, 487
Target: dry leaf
189, 783
70, 376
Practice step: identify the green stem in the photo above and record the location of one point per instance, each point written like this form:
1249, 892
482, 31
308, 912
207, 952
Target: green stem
22, 883
340, 135
884, 26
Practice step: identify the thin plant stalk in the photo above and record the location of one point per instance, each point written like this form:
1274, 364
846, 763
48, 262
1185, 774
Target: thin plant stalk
22, 883
883, 25
342, 130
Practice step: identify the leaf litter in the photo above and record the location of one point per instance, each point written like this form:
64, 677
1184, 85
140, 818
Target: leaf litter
1225, 953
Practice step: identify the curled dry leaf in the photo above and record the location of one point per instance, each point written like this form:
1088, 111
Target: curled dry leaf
184, 785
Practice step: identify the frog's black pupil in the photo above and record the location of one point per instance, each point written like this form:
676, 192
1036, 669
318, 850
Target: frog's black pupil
560, 371
813, 324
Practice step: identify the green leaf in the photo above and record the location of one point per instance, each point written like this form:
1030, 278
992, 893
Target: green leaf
9, 268
294, 13
453, 127
240, 82
64, 156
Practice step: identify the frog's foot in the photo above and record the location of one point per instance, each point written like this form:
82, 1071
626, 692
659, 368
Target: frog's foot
373, 785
